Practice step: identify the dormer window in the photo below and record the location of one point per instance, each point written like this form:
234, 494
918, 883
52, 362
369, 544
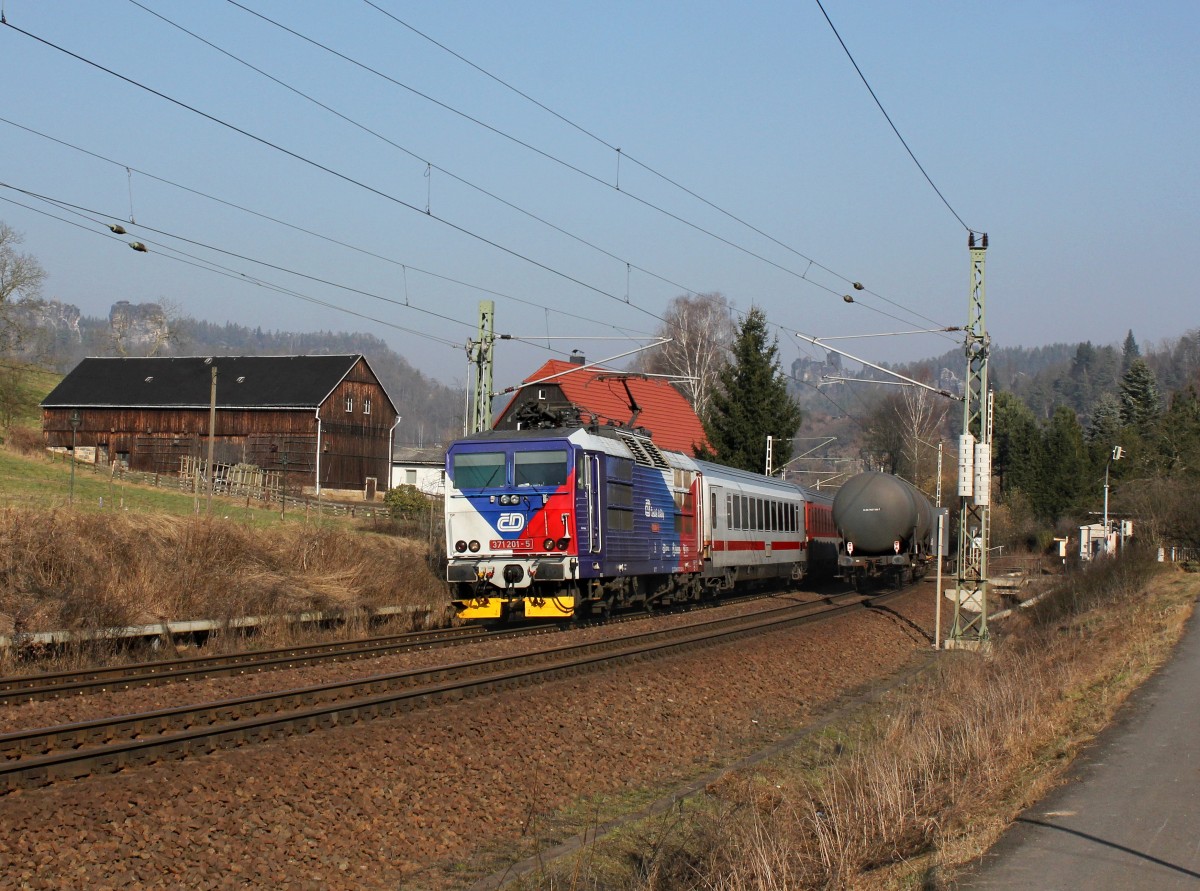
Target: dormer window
366, 405
349, 404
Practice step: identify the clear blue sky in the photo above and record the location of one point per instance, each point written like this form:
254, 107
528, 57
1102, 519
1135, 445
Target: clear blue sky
1065, 130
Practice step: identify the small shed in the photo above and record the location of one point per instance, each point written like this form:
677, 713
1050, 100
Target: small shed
320, 422
424, 468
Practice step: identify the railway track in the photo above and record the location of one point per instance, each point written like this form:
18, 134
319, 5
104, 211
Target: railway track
26, 688
15, 689
37, 757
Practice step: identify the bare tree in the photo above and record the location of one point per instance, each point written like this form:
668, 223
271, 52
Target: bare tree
902, 426
21, 277
701, 330
924, 418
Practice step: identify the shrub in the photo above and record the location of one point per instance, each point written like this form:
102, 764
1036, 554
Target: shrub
406, 502
23, 440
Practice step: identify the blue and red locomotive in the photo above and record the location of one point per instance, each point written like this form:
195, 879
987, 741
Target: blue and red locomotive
579, 521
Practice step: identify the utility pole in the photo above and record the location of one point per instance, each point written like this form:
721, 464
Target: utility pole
76, 419
974, 469
212, 429
479, 356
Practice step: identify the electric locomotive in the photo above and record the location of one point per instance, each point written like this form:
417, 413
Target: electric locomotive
562, 522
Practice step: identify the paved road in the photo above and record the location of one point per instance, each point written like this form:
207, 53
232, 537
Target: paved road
1130, 817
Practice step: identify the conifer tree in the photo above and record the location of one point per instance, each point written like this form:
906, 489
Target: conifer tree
1140, 401
1064, 466
750, 402
1129, 352
1016, 446
1105, 429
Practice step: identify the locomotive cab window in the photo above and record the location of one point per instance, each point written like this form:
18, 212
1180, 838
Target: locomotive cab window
478, 470
541, 468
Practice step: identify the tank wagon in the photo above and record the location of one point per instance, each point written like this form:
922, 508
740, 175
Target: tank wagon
885, 525
561, 522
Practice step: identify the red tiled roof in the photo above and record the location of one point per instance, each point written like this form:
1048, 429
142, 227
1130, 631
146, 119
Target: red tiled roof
664, 412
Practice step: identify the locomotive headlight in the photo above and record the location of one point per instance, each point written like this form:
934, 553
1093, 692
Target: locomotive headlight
563, 543
460, 546
474, 546
548, 544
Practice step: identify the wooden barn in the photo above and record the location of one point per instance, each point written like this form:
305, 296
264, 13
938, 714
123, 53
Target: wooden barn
319, 422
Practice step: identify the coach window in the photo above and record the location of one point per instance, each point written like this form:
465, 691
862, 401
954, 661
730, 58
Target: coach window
478, 470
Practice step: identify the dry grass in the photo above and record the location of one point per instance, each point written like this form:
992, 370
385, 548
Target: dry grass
85, 571
929, 779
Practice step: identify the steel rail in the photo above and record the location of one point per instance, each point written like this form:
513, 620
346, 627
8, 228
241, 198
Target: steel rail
17, 689
26, 688
70, 751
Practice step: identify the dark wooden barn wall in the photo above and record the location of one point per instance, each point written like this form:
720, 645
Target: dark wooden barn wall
354, 444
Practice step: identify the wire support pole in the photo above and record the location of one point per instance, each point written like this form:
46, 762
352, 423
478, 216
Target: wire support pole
969, 628
479, 353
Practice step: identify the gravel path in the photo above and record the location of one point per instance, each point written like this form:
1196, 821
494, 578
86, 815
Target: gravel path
430, 799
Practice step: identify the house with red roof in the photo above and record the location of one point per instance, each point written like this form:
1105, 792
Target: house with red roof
594, 394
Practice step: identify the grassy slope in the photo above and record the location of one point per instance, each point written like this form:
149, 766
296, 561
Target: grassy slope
121, 552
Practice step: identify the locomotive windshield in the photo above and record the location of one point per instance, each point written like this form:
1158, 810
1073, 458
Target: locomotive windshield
541, 468
479, 470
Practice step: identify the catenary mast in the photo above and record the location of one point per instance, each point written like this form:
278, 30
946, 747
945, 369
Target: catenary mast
974, 468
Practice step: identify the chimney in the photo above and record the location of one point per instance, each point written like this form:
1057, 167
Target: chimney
577, 358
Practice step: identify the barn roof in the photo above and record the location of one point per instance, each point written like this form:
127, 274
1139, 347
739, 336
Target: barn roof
267, 382
668, 416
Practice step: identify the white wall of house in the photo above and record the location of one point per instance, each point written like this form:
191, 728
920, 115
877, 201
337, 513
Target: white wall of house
429, 480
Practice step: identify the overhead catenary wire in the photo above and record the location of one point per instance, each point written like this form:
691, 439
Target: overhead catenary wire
622, 154
429, 165
517, 254
888, 118
329, 170
210, 266
405, 267
803, 276
353, 181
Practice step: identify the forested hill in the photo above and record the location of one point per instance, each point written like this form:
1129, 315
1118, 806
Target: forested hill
1078, 375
